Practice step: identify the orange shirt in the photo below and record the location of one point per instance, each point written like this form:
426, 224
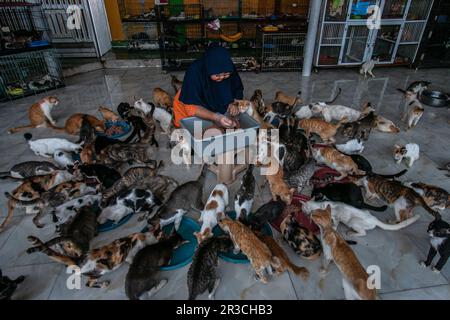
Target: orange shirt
181, 110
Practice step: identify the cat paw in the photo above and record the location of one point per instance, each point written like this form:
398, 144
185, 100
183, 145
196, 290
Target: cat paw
323, 272
423, 264
236, 251
433, 268
105, 284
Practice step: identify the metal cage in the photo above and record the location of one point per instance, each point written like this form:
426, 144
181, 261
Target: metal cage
28, 73
137, 10
282, 51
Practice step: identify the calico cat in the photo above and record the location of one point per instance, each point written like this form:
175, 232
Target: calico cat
364, 165
108, 114
159, 114
97, 262
362, 128
252, 112
414, 110
300, 178
75, 235
351, 146
143, 273
8, 286
336, 160
395, 194
385, 125
104, 175
265, 214
75, 121
348, 193
52, 198
300, 239
162, 99
39, 115
243, 200
355, 277
47, 147
176, 84
368, 66
356, 219
186, 196
120, 153
277, 109
31, 188
410, 152
126, 202
436, 198
29, 169
439, 232
285, 262
202, 274
280, 96
325, 130
259, 255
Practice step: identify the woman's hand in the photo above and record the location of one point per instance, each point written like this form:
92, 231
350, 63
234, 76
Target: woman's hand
233, 109
224, 121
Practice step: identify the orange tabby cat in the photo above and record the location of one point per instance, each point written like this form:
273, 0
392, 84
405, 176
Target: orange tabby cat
40, 115
285, 262
336, 249
336, 160
108, 114
324, 129
279, 187
257, 252
73, 124
162, 99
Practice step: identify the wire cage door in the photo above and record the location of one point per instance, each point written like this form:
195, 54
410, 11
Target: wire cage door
282, 51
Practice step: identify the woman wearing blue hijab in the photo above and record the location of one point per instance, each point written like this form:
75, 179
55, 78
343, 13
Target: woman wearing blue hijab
210, 86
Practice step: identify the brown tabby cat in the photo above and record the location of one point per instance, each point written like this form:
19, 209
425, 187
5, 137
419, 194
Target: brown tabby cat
40, 115
436, 198
336, 160
395, 194
122, 153
162, 99
336, 249
285, 262
260, 256
108, 114
325, 130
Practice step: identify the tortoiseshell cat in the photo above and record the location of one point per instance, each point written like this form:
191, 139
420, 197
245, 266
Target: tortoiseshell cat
436, 198
260, 256
300, 239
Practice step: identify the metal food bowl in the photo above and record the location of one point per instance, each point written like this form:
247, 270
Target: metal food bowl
435, 99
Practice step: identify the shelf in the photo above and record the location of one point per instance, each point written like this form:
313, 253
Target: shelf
387, 40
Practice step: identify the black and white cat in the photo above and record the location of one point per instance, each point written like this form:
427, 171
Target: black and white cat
243, 200
29, 169
439, 231
128, 201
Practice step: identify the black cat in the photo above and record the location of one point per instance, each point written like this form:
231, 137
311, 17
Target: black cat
266, 213
8, 286
364, 165
105, 175
87, 132
439, 231
202, 272
124, 109
348, 193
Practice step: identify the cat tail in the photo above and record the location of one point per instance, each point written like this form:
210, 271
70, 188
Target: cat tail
369, 207
335, 98
301, 272
5, 175
390, 176
22, 202
401, 90
17, 129
50, 125
201, 178
397, 226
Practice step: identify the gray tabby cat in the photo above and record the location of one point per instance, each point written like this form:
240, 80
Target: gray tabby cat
300, 178
29, 169
120, 153
368, 66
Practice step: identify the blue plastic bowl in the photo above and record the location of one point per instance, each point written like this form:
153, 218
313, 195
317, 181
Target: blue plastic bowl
123, 124
184, 253
110, 225
230, 256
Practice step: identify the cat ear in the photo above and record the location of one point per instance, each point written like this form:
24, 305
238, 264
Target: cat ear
328, 208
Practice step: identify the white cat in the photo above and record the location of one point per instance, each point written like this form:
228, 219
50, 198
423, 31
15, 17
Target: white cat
368, 66
159, 114
335, 112
47, 147
216, 204
67, 210
351, 146
358, 220
410, 152
304, 113
63, 159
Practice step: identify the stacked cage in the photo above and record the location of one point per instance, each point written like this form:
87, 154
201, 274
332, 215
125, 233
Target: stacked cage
28, 73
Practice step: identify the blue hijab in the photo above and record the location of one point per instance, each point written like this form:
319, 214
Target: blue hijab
200, 90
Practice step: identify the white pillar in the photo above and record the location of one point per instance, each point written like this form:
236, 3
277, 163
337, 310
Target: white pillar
310, 42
